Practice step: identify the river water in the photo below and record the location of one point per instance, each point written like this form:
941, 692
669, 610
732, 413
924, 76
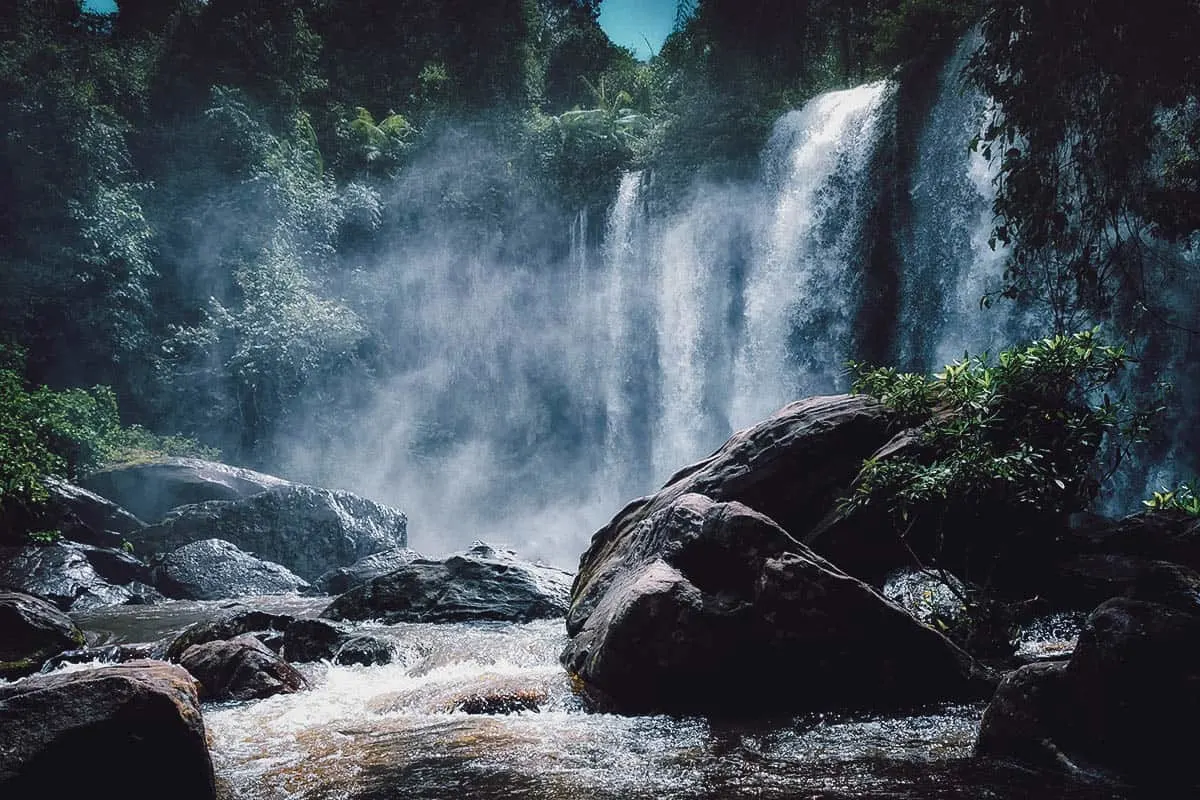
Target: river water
391, 732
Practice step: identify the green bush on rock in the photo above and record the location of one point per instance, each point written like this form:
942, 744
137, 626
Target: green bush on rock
1016, 439
1024, 429
63, 433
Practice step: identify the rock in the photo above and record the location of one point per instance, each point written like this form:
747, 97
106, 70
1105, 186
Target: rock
32, 631
1172, 536
74, 512
152, 489
366, 651
229, 626
791, 467
502, 702
240, 669
214, 569
129, 730
482, 583
102, 595
72, 576
307, 530
343, 579
1025, 718
708, 607
109, 654
1123, 707
317, 640
1085, 581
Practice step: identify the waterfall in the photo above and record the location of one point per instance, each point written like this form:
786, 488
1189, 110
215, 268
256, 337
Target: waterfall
622, 373
948, 259
801, 289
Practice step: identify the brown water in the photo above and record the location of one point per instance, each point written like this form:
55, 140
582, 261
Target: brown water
391, 732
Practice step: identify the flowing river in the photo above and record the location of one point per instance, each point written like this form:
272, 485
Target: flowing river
395, 731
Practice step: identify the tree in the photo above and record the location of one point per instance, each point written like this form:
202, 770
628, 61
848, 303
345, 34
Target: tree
1096, 143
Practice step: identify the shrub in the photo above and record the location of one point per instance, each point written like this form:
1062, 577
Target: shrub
1011, 441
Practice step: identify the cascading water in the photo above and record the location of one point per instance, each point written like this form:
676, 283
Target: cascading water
801, 291
949, 260
400, 731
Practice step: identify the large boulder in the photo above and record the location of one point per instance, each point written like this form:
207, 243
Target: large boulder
228, 626
483, 583
343, 579
214, 569
792, 467
308, 530
32, 631
318, 640
74, 576
151, 489
75, 513
710, 607
1125, 705
240, 669
130, 730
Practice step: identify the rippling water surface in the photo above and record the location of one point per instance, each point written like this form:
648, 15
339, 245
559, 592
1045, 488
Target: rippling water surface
391, 732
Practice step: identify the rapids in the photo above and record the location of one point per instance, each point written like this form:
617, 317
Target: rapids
391, 732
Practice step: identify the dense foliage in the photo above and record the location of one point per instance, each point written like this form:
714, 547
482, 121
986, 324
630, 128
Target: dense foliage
192, 191
44, 432
1097, 146
1015, 440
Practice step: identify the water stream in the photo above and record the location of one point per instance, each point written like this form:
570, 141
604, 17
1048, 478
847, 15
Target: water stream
394, 731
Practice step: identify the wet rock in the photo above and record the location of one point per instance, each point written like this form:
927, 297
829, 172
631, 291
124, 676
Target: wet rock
708, 607
214, 569
307, 530
109, 654
792, 467
73, 576
1123, 707
317, 640
482, 583
228, 626
75, 513
240, 669
32, 631
343, 579
114, 731
101, 595
502, 702
367, 651
1085, 581
152, 489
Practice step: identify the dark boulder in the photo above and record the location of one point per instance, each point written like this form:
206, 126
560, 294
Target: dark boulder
240, 669
483, 583
366, 651
214, 569
307, 530
343, 579
130, 730
502, 701
1124, 706
228, 626
707, 607
792, 467
102, 595
152, 489
32, 631
73, 576
1085, 581
108, 654
318, 640
73, 512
